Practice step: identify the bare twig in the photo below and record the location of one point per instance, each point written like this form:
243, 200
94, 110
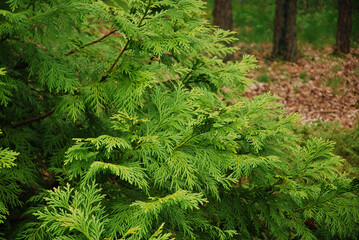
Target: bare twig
115, 62
38, 118
4, 38
91, 43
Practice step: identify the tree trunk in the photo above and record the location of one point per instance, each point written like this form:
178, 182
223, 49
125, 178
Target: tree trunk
285, 30
344, 26
222, 17
222, 14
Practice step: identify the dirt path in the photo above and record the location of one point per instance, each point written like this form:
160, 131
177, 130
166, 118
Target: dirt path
320, 86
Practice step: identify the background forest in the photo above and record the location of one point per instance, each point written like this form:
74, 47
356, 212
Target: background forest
139, 119
322, 84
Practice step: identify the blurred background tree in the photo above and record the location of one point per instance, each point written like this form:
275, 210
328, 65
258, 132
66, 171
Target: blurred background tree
222, 14
344, 26
223, 18
285, 30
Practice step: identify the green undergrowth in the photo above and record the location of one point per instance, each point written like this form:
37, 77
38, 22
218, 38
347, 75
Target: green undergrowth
317, 27
254, 20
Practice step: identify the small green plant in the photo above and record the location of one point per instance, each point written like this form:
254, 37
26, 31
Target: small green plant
334, 82
264, 77
303, 76
336, 67
356, 71
295, 89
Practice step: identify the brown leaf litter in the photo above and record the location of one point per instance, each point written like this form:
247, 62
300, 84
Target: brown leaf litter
319, 86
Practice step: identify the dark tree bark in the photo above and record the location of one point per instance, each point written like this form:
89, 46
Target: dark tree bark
285, 30
222, 14
344, 26
222, 17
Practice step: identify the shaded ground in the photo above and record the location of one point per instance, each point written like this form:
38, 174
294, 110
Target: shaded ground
320, 86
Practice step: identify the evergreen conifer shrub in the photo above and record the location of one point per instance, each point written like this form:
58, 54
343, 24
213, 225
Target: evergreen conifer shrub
127, 124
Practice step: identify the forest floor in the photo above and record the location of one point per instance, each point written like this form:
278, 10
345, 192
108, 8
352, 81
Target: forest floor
320, 85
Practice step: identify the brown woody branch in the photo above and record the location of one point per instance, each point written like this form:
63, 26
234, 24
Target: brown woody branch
115, 62
91, 43
126, 45
38, 118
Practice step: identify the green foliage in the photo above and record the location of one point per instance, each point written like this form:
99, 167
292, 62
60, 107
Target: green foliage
73, 214
6, 88
346, 140
7, 158
8, 189
125, 117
